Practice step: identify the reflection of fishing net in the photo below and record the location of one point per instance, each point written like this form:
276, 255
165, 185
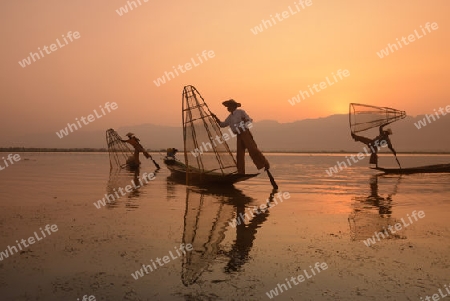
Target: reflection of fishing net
120, 154
205, 150
205, 221
118, 179
364, 117
366, 219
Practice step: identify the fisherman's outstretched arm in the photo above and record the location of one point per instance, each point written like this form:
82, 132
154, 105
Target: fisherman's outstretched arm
220, 123
389, 144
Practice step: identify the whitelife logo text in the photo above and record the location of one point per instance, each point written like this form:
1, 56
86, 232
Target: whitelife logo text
49, 49
86, 120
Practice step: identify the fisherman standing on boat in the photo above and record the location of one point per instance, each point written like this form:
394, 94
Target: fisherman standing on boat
376, 143
134, 141
237, 121
171, 152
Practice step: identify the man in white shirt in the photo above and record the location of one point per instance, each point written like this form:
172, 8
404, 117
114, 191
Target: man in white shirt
240, 123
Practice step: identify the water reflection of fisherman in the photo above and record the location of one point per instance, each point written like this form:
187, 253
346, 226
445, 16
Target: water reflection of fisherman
363, 221
238, 122
138, 148
374, 144
245, 235
383, 204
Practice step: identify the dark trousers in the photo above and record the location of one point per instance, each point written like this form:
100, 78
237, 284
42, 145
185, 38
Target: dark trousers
245, 141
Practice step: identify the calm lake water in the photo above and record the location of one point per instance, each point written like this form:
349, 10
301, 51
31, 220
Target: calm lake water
325, 219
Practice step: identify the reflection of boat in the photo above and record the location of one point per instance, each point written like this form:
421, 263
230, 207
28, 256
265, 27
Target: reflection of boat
178, 170
207, 217
207, 156
372, 213
437, 168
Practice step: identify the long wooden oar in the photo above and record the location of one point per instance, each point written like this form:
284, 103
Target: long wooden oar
272, 180
154, 162
398, 161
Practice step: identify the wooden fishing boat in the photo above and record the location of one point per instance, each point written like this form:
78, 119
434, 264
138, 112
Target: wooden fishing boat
437, 168
196, 176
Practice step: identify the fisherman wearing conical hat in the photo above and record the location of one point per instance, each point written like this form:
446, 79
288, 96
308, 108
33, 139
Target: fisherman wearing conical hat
134, 141
239, 123
374, 144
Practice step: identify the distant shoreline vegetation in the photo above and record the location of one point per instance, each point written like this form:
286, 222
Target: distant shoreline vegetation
104, 150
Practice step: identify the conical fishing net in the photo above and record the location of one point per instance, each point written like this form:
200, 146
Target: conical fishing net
120, 153
205, 149
364, 117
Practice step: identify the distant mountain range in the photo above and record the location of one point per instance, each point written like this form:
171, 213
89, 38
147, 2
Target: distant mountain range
329, 134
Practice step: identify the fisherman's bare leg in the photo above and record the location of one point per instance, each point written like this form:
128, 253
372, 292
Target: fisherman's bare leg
374, 159
136, 156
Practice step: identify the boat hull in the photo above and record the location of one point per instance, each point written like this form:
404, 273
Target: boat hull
178, 171
438, 168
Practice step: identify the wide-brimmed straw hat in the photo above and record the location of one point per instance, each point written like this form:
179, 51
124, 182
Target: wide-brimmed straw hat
231, 102
130, 135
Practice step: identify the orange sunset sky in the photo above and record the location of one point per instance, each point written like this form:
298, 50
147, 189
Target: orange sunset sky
118, 58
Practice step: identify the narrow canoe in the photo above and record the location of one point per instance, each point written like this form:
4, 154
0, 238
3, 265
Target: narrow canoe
437, 168
178, 170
